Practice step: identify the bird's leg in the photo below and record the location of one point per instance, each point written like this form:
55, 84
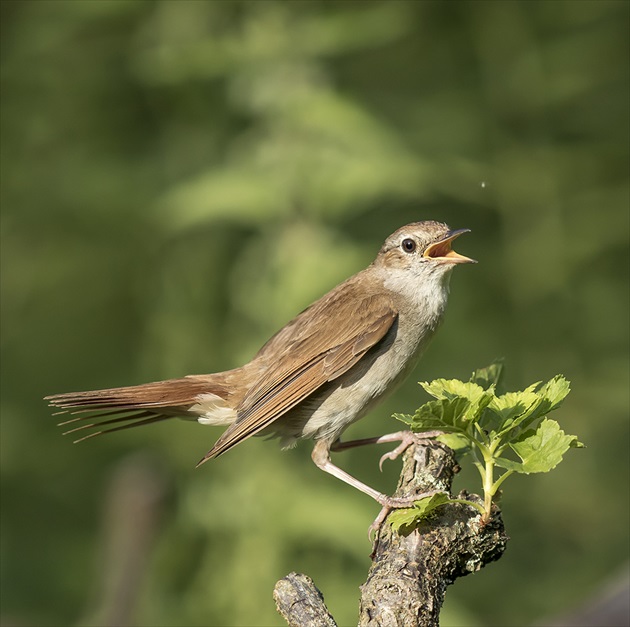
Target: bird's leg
406, 439
321, 457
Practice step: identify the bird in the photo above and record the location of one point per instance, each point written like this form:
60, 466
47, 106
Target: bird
321, 372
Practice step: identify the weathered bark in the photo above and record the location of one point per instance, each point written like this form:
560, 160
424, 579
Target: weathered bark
300, 602
410, 572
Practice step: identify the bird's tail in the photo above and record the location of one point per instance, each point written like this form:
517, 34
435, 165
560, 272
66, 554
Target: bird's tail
122, 408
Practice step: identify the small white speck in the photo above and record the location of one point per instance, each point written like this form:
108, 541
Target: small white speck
483, 183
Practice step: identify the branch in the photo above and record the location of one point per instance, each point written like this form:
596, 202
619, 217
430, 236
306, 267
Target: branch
410, 571
300, 602
407, 581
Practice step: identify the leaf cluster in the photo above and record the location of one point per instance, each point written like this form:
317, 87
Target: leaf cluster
510, 430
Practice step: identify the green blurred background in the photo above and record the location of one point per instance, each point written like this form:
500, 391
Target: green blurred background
180, 178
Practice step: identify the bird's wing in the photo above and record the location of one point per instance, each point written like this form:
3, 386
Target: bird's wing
321, 344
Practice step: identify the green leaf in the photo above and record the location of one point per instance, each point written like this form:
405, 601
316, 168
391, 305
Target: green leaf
444, 414
403, 518
554, 392
540, 450
489, 376
477, 399
550, 397
514, 407
459, 443
448, 389
406, 418
421, 509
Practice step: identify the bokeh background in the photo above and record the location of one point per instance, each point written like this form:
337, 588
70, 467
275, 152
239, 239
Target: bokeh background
179, 178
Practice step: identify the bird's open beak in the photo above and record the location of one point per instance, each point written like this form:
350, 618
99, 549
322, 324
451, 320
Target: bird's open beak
442, 251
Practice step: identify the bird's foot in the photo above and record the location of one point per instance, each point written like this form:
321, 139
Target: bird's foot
407, 438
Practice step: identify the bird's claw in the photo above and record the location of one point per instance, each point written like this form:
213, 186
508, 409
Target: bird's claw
406, 440
388, 503
376, 525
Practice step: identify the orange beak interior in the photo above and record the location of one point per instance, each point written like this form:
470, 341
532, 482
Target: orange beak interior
442, 250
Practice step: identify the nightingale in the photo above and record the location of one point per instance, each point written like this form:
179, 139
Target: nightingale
325, 369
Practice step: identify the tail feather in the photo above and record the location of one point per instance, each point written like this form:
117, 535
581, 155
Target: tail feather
136, 405
135, 416
90, 415
138, 423
170, 393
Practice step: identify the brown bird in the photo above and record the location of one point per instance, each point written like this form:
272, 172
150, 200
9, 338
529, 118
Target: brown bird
316, 376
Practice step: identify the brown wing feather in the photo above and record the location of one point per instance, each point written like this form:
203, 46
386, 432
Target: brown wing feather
309, 357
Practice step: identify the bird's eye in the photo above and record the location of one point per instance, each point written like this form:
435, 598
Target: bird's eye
408, 245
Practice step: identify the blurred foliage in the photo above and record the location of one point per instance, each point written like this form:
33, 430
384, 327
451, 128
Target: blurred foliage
179, 178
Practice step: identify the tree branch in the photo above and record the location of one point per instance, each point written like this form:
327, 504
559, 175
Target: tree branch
300, 602
411, 569
407, 581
